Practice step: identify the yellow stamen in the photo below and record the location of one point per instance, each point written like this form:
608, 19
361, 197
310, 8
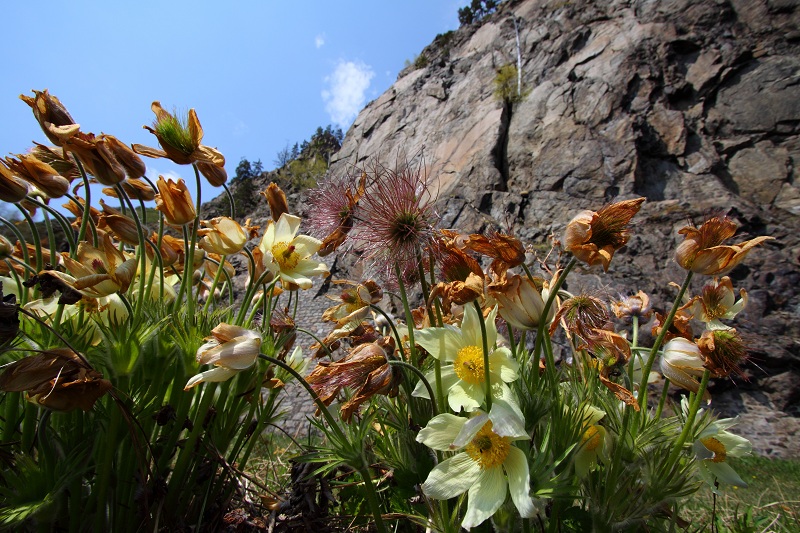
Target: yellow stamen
488, 448
592, 438
469, 365
285, 255
713, 445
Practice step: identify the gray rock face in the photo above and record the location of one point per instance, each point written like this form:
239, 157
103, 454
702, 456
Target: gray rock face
694, 104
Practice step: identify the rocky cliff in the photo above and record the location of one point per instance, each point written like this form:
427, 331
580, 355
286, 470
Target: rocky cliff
694, 104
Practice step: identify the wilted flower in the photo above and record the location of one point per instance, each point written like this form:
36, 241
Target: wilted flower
12, 188
396, 220
175, 201
230, 349
276, 199
215, 174
53, 117
179, 138
593, 237
333, 204
458, 292
505, 250
39, 174
365, 367
582, 315
9, 316
682, 363
521, 301
488, 468
464, 379
221, 235
355, 302
57, 379
98, 272
612, 352
702, 250
286, 254
122, 226
718, 301
723, 350
714, 446
628, 307
681, 325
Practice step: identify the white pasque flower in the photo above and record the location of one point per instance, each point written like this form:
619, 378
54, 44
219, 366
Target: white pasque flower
286, 254
713, 447
230, 349
464, 379
682, 363
488, 466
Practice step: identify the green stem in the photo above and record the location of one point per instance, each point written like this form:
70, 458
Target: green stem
694, 406
63, 222
87, 205
37, 242
142, 256
663, 399
230, 199
648, 364
486, 373
372, 496
214, 283
421, 376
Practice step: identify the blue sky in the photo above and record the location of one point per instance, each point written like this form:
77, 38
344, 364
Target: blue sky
260, 75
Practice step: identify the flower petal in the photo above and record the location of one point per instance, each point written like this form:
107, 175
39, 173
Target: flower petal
502, 365
465, 396
441, 431
442, 343
215, 374
452, 477
516, 467
485, 497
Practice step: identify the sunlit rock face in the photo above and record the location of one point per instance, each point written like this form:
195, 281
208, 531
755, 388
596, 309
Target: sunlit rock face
694, 104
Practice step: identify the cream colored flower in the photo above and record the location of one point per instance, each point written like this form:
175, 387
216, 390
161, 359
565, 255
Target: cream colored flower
461, 351
488, 467
682, 363
286, 254
230, 349
521, 302
222, 235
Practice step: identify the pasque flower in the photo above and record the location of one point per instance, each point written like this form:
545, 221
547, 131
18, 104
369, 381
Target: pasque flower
12, 188
628, 307
221, 235
521, 301
175, 201
179, 139
98, 271
487, 466
230, 349
396, 220
334, 203
354, 302
286, 254
366, 368
39, 174
594, 441
463, 376
682, 363
54, 119
57, 379
718, 301
702, 250
593, 237
714, 446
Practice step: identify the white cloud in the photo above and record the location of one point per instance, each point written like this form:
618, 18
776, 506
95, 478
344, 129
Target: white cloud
319, 40
345, 94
